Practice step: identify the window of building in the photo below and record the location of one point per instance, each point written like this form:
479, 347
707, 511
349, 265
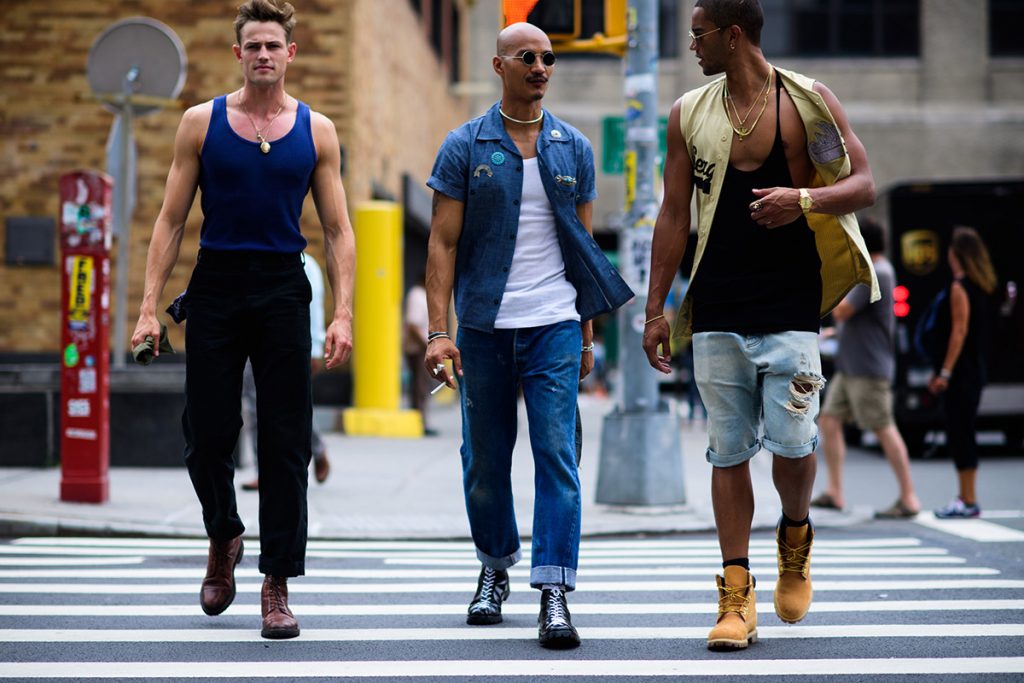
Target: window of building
841, 28
441, 21
1004, 21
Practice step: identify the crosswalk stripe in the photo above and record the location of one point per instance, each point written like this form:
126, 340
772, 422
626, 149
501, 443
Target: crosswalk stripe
974, 529
252, 635
676, 668
465, 554
444, 587
68, 561
68, 541
509, 608
197, 573
626, 561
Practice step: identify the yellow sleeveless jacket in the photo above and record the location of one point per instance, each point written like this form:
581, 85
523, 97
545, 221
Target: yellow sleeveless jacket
708, 135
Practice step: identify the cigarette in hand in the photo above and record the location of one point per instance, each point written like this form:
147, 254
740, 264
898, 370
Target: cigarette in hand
438, 388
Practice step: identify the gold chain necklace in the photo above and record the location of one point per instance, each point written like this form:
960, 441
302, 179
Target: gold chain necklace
264, 145
743, 130
765, 87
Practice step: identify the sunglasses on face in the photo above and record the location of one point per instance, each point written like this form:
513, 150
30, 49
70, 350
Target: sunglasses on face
529, 58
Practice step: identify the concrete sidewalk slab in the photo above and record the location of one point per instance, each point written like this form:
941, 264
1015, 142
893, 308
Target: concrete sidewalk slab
378, 489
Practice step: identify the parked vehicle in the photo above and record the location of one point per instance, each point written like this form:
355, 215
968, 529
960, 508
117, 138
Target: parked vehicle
921, 219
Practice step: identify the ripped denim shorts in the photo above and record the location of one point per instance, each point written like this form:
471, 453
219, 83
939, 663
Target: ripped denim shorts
759, 390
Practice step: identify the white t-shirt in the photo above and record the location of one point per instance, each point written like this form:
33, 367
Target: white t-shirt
317, 333
537, 292
415, 315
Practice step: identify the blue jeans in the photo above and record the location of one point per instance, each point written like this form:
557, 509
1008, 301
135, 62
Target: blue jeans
759, 389
546, 362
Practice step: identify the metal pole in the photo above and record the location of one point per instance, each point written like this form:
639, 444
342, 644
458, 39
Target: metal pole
641, 452
122, 220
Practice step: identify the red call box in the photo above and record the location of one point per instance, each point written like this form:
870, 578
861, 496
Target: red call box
85, 238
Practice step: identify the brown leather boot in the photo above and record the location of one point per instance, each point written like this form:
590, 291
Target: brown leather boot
793, 590
219, 584
278, 620
737, 611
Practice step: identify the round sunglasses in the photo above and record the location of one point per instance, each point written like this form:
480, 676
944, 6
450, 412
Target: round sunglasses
546, 58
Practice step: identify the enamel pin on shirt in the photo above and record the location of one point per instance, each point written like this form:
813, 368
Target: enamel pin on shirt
565, 180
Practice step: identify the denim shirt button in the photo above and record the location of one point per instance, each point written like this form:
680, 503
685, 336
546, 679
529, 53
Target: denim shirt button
519, 168
515, 202
472, 191
496, 302
504, 269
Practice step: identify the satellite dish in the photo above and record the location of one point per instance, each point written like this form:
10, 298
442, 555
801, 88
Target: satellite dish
139, 53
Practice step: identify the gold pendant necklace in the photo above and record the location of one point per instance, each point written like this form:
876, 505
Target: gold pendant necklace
264, 145
741, 129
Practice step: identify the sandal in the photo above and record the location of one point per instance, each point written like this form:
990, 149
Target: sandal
896, 511
825, 501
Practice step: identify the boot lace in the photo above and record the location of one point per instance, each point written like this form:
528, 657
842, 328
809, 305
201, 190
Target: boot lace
487, 584
733, 599
555, 609
794, 558
276, 601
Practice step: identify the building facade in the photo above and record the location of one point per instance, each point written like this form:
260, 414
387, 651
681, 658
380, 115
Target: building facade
382, 70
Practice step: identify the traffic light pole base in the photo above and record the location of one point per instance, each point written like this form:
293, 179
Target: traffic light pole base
641, 461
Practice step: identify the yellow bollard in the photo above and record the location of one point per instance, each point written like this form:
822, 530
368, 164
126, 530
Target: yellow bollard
377, 327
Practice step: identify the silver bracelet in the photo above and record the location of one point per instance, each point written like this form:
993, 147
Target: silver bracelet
588, 347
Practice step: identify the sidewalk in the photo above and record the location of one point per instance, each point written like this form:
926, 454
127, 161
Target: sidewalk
378, 489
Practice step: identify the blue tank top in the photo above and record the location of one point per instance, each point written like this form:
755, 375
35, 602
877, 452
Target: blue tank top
252, 201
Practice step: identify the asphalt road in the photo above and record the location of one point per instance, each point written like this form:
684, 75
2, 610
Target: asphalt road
893, 601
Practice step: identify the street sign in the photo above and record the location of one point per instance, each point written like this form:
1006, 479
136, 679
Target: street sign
613, 143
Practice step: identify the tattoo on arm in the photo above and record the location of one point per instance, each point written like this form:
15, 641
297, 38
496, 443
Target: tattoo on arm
433, 207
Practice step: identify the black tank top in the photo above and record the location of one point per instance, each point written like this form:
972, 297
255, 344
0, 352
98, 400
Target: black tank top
752, 279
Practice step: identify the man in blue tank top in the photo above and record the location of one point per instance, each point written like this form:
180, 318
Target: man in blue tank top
255, 153
772, 260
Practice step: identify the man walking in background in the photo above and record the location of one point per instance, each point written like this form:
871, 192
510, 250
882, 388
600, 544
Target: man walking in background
861, 390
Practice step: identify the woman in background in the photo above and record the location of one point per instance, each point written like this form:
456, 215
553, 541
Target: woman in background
960, 374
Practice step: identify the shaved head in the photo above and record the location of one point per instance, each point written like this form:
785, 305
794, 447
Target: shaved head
515, 34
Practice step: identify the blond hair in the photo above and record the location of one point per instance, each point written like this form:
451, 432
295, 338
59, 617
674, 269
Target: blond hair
974, 258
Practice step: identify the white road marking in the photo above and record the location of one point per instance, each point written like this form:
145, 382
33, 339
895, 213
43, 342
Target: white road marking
677, 668
973, 529
197, 573
68, 561
510, 608
461, 587
501, 633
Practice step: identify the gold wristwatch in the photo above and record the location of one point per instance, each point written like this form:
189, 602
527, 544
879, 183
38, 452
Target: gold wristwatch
806, 202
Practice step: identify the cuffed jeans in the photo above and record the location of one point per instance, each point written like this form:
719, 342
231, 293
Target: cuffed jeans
545, 361
250, 305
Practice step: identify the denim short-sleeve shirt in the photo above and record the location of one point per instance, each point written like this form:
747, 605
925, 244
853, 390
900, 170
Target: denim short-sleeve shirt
480, 166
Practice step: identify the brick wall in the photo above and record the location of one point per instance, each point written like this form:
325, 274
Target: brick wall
366, 64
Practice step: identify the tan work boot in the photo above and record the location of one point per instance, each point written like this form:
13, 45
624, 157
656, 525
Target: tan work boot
737, 611
278, 620
793, 589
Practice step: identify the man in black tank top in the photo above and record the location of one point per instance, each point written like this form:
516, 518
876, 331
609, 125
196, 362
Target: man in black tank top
766, 248
248, 299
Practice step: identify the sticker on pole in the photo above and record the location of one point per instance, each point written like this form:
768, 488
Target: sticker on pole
80, 300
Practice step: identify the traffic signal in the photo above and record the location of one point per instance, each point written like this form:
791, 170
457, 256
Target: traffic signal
574, 25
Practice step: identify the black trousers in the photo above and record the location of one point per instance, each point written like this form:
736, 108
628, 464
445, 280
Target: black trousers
960, 403
250, 305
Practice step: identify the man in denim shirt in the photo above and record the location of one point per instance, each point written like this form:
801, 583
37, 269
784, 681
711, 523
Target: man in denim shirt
511, 235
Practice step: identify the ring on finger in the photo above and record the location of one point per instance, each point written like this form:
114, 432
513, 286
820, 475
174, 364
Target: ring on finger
756, 206
438, 368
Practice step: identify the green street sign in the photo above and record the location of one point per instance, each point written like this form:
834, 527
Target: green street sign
613, 143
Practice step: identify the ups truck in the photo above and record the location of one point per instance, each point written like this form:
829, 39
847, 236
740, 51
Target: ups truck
921, 220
